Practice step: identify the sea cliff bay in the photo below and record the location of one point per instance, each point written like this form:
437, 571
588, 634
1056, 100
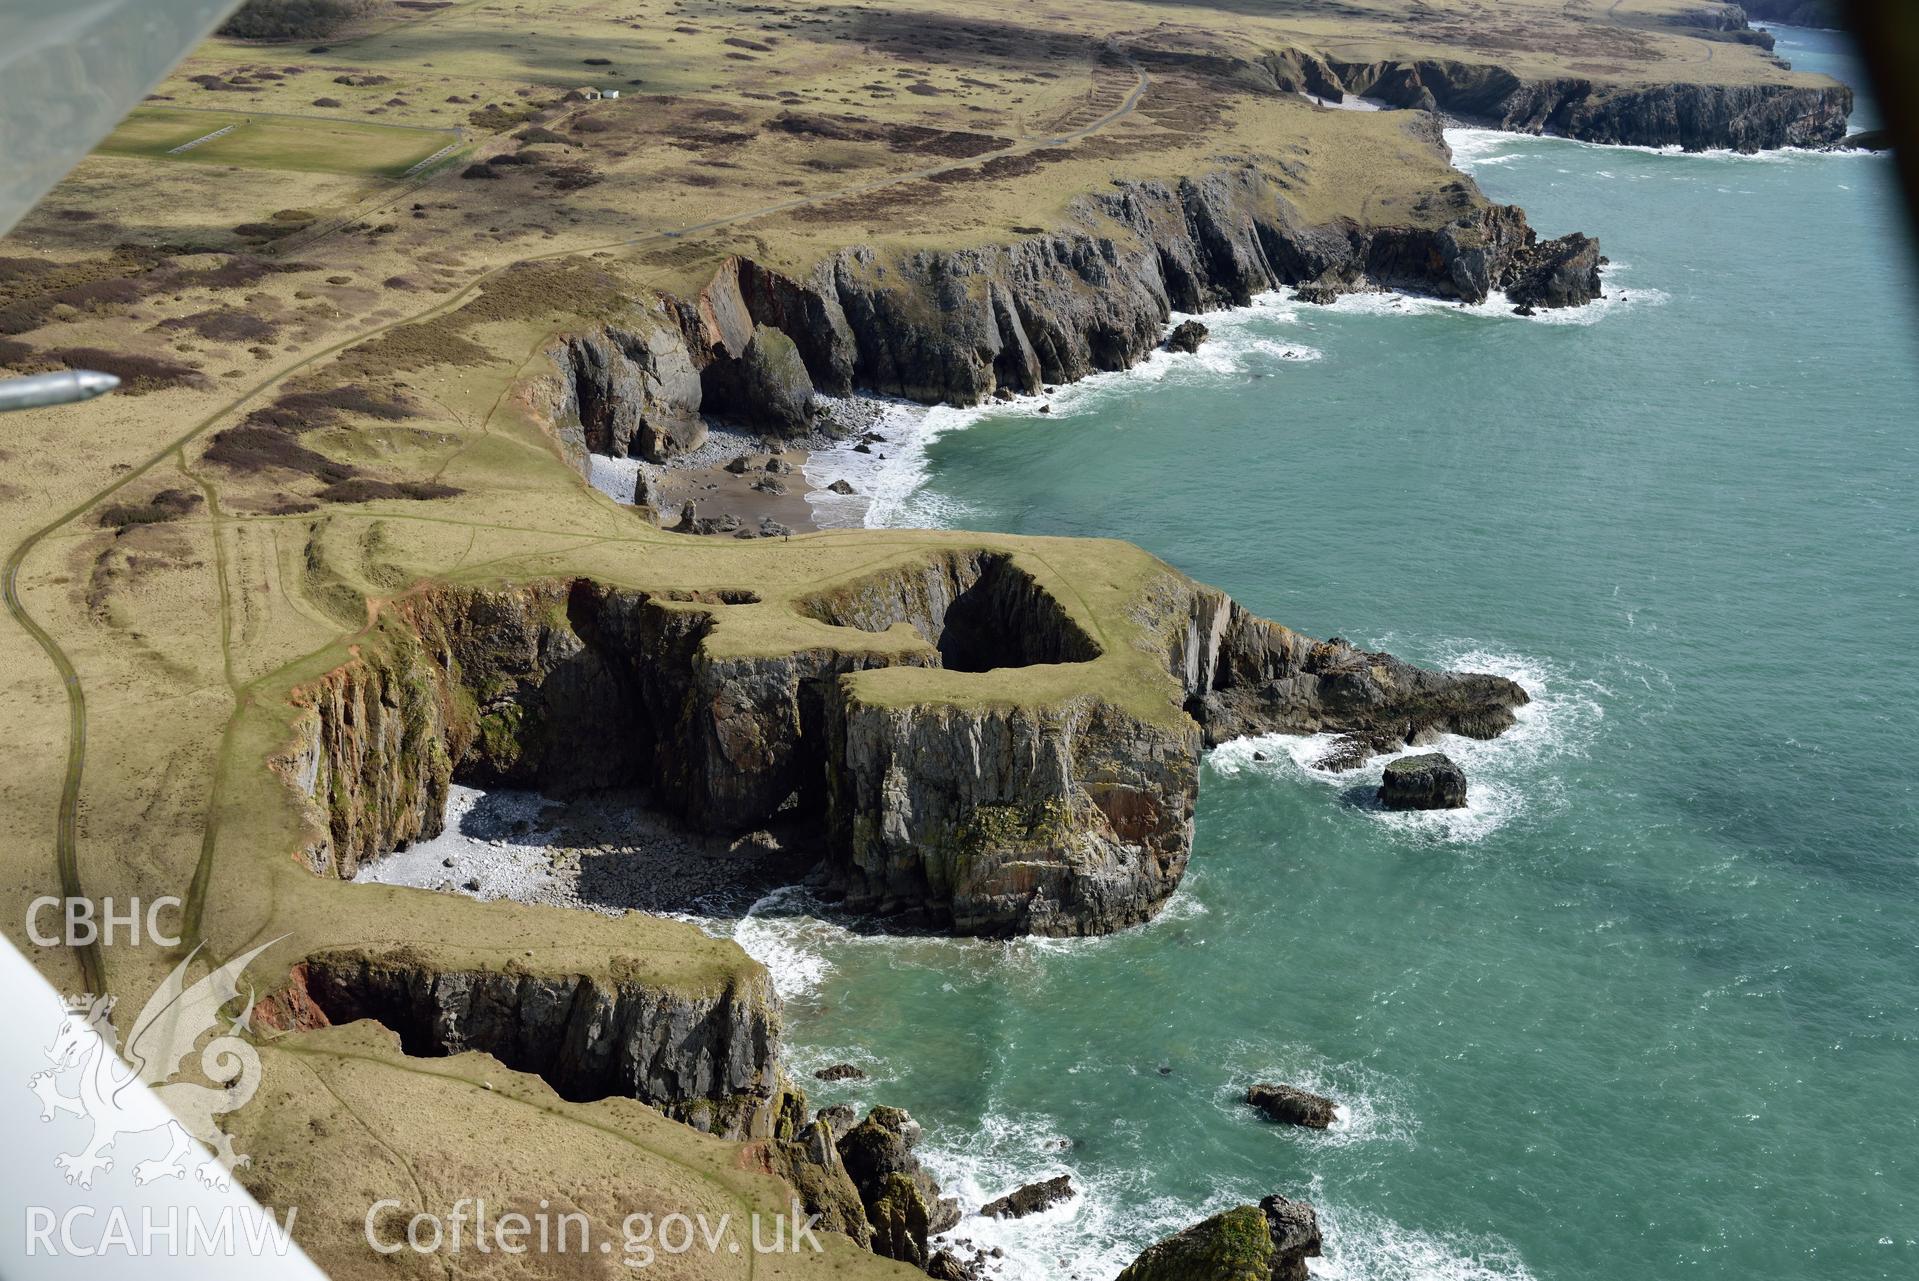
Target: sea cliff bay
681, 615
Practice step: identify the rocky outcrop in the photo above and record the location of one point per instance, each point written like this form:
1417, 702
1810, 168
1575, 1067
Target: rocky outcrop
903, 1202
561, 686
1696, 117
1290, 1105
1267, 1242
744, 296
766, 387
957, 326
1245, 675
630, 388
1063, 819
1044, 806
840, 1072
1557, 273
1429, 781
709, 1058
1865, 140
1187, 335
1030, 1199
806, 1155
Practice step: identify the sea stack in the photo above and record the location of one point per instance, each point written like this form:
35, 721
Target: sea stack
1187, 335
1429, 781
1290, 1105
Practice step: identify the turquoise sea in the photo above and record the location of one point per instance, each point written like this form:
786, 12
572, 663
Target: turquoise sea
1649, 1008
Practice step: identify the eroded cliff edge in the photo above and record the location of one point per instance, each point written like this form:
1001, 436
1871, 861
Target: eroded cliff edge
975, 752
959, 326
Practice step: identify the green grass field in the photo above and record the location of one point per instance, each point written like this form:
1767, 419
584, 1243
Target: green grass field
307, 144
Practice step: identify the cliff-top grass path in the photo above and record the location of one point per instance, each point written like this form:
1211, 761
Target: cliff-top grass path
350, 432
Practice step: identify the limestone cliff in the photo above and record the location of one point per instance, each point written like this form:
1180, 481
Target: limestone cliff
952, 731
1696, 117
708, 1058
957, 326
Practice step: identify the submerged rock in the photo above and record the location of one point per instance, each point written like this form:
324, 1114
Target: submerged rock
1186, 336
1267, 1242
1030, 1199
1429, 781
1290, 1105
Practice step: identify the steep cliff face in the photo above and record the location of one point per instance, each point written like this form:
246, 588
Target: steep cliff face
631, 388
1798, 13
1696, 117
956, 326
561, 686
946, 725
1059, 820
710, 1059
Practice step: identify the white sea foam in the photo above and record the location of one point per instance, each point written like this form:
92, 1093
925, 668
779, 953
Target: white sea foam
889, 480
781, 933
1114, 1216
1092, 1236
1362, 1245
1372, 1107
1475, 148
1510, 776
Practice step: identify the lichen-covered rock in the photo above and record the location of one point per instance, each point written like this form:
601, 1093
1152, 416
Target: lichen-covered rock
1267, 1242
809, 1160
903, 1202
1290, 1105
1429, 781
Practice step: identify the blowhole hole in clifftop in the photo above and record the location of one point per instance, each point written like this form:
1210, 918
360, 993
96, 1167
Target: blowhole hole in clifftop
980, 610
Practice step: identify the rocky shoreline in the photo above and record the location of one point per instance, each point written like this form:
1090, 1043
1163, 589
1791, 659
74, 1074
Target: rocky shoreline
990, 816
961, 327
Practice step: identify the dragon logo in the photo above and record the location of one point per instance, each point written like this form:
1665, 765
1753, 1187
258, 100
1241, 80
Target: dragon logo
170, 1025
